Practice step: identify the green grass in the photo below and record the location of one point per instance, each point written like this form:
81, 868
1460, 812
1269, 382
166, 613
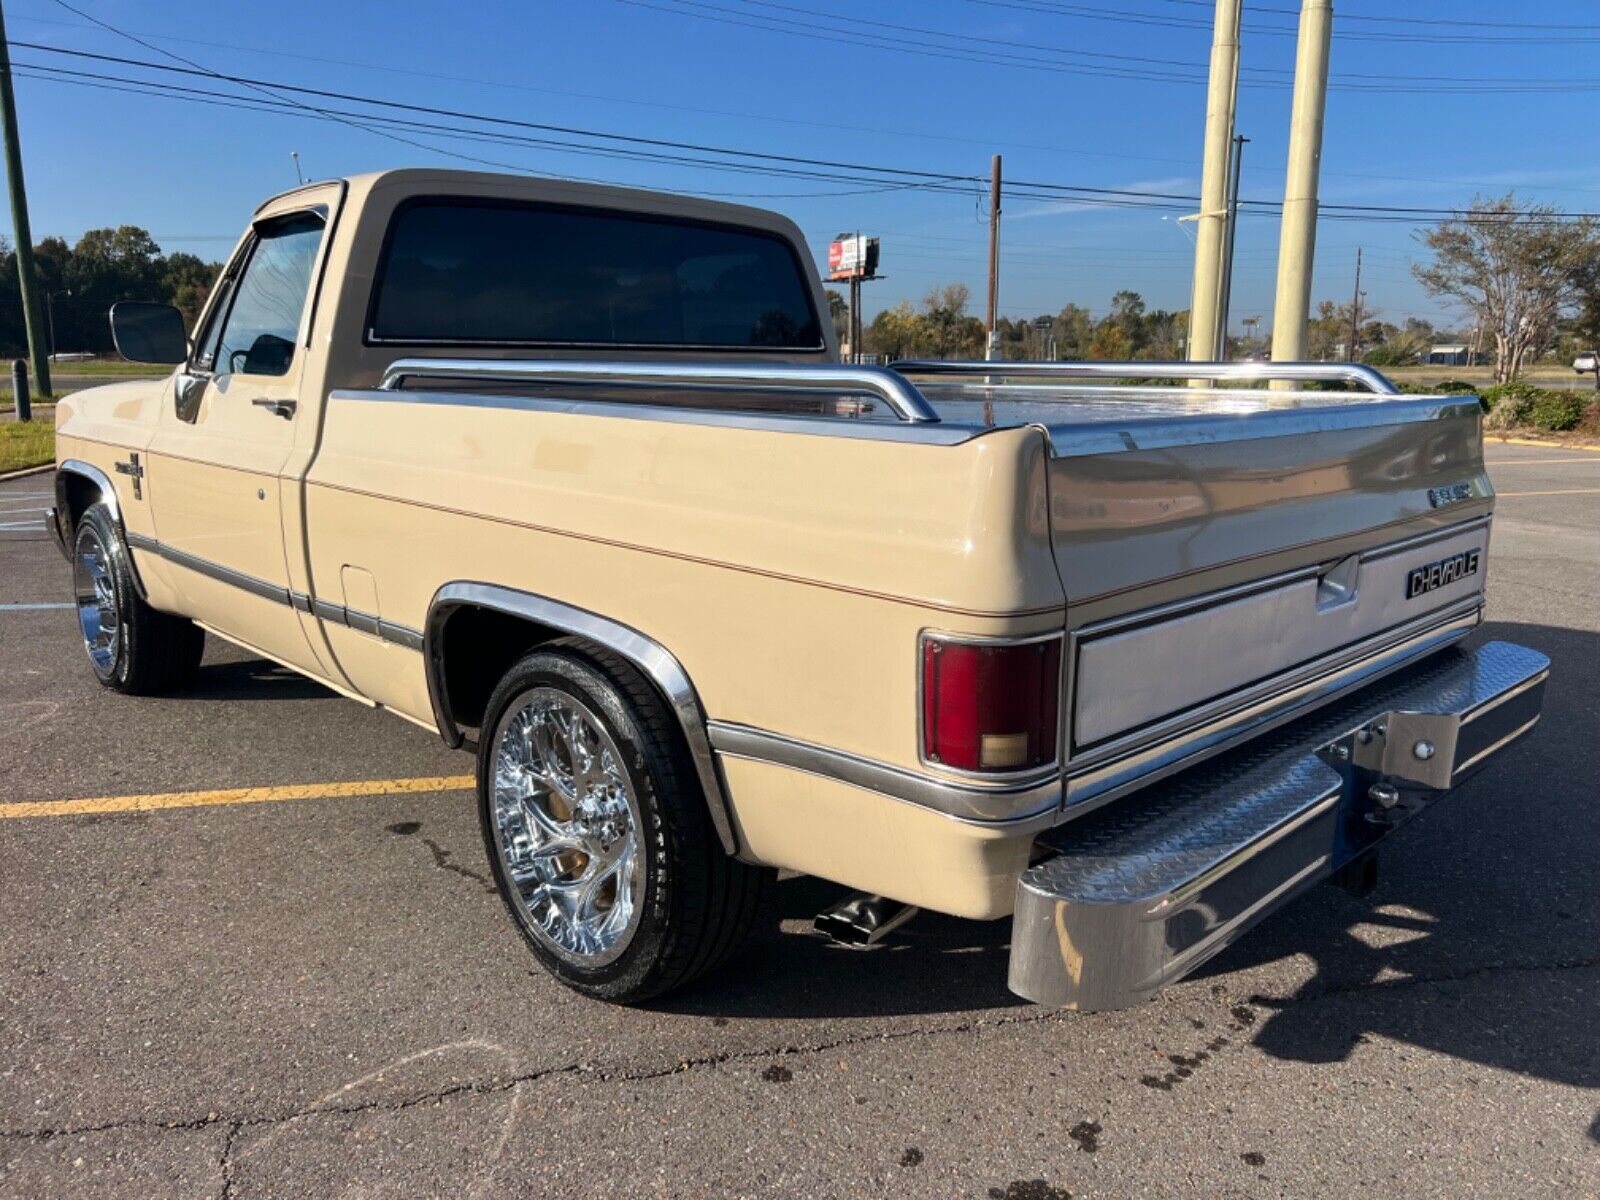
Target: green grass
26, 444
112, 368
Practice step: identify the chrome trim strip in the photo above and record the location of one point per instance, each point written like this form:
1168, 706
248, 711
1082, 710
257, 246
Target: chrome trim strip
1222, 595
1266, 690
1305, 372
1247, 639
1144, 433
400, 635
649, 656
1091, 786
886, 431
893, 389
1003, 806
222, 574
338, 614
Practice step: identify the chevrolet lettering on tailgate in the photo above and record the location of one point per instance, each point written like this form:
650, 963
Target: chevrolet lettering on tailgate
1438, 574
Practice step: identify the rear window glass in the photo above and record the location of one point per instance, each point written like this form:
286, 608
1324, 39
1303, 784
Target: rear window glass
462, 272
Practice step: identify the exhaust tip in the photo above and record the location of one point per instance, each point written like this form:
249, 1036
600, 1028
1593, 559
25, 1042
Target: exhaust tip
862, 920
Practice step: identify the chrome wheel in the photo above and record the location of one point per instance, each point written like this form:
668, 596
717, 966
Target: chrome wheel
96, 597
566, 826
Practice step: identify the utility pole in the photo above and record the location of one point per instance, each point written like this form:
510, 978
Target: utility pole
991, 349
31, 316
1221, 102
1298, 240
1355, 314
1225, 301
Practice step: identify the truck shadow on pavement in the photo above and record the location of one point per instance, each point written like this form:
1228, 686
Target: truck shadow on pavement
1481, 940
253, 679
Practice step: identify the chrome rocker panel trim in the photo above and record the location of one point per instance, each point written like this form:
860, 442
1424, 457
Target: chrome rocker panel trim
653, 659
266, 589
336, 614
1140, 894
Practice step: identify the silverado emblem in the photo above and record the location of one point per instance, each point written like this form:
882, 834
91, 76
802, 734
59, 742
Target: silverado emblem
1438, 574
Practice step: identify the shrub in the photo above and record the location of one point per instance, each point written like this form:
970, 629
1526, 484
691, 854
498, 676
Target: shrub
1555, 411
1505, 415
1517, 390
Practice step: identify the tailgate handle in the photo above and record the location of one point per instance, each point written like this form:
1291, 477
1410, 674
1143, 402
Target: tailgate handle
1337, 585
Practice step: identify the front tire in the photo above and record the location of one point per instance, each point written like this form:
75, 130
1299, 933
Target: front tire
597, 831
131, 647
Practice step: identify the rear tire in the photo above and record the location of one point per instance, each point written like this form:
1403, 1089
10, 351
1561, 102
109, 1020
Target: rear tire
131, 647
597, 830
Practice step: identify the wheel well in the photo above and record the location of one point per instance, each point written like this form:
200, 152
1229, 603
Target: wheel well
477, 647
74, 494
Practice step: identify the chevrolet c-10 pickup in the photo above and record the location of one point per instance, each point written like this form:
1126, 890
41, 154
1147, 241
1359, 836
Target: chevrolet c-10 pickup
1132, 653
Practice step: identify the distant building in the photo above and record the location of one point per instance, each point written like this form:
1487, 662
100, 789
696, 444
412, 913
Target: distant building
1451, 355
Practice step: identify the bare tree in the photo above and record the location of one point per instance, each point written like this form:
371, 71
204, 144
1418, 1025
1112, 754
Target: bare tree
1515, 267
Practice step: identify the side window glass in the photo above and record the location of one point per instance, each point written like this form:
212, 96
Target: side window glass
258, 334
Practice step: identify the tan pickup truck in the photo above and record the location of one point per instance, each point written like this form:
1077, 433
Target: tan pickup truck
572, 475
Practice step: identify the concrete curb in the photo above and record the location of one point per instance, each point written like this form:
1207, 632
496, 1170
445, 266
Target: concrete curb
1543, 443
26, 471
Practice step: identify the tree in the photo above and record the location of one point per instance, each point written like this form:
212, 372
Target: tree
186, 281
1073, 329
83, 281
1110, 341
1517, 268
895, 333
952, 333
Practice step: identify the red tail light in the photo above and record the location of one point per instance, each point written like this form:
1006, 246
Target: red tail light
990, 706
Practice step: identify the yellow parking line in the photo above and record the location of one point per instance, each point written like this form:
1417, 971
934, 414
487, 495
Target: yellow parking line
1561, 492
258, 795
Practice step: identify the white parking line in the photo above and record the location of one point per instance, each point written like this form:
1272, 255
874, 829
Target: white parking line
39, 606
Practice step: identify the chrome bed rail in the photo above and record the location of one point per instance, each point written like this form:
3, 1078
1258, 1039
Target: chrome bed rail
899, 393
1106, 372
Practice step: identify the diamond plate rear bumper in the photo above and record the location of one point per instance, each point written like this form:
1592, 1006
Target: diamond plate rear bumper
1138, 894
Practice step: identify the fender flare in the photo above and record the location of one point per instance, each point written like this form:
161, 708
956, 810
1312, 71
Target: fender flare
650, 657
108, 493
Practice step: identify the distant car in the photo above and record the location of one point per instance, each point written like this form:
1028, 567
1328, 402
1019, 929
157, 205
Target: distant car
1584, 363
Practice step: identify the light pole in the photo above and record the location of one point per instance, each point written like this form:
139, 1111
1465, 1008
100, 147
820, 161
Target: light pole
50, 312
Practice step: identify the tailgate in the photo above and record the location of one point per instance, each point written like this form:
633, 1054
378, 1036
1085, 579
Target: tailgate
1208, 568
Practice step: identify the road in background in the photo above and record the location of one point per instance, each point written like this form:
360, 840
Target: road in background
322, 996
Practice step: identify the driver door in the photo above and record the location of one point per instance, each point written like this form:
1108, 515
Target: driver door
215, 466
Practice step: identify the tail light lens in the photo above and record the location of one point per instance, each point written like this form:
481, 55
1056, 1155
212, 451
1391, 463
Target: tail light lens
990, 706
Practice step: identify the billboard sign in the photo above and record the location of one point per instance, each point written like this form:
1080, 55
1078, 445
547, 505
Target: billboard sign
851, 256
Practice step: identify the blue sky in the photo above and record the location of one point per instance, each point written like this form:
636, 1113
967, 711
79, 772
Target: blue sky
1060, 89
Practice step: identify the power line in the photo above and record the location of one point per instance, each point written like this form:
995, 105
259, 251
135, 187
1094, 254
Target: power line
1084, 12
853, 31
543, 135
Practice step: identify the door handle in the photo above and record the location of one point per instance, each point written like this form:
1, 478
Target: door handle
278, 408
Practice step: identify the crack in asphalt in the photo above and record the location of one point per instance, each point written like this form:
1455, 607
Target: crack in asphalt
238, 1123
225, 1159
506, 1083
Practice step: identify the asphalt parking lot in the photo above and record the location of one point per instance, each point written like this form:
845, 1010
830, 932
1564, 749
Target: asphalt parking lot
305, 991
